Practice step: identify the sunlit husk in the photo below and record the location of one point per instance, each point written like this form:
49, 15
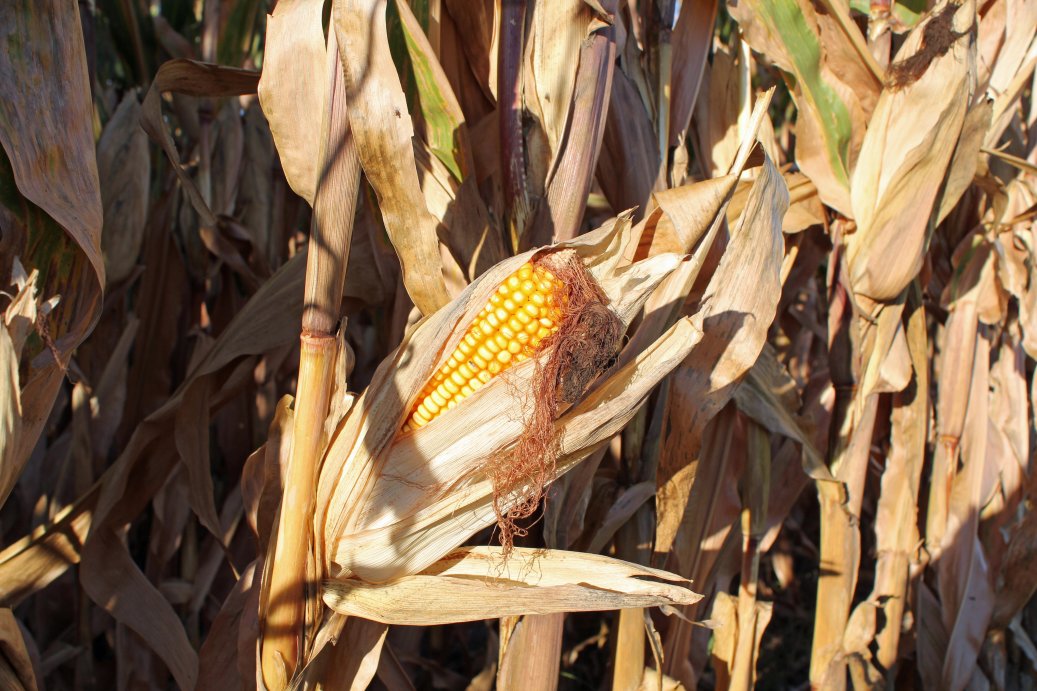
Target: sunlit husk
391, 503
473, 583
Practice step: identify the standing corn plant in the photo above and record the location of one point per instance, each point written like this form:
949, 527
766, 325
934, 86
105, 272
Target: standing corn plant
450, 344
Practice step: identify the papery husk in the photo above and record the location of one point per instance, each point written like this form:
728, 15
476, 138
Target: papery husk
391, 503
474, 583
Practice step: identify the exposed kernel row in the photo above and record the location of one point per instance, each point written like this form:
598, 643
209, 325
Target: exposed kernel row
522, 312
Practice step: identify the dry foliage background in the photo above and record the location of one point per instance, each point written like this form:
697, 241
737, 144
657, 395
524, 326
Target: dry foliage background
815, 219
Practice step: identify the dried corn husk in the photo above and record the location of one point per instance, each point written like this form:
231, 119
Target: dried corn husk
474, 583
391, 504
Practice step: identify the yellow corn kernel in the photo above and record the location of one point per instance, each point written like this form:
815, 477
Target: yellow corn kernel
517, 317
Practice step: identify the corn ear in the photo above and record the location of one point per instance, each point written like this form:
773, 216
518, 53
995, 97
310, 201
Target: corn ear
522, 313
392, 502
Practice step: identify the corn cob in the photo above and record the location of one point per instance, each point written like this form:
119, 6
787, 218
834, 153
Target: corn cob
523, 311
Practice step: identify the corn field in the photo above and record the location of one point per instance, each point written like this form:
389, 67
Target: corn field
518, 344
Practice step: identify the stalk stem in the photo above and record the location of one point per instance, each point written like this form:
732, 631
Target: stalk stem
334, 206
282, 635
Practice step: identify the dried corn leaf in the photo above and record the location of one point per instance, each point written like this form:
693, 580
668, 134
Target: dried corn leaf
1018, 578
692, 38
1009, 438
1016, 44
834, 88
734, 318
123, 166
259, 186
805, 208
46, 129
966, 591
49, 189
482, 583
473, 240
17, 670
717, 115
443, 123
629, 161
654, 680
382, 130
896, 520
293, 89
10, 412
962, 168
904, 157
351, 663
687, 219
841, 543
477, 36
632, 498
951, 401
218, 658
33, 562
1018, 268
729, 621
192, 79
16, 324
768, 395
711, 512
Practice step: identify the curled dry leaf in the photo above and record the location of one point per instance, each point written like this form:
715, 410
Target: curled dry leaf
123, 164
483, 582
49, 191
911, 137
382, 129
191, 78
292, 89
